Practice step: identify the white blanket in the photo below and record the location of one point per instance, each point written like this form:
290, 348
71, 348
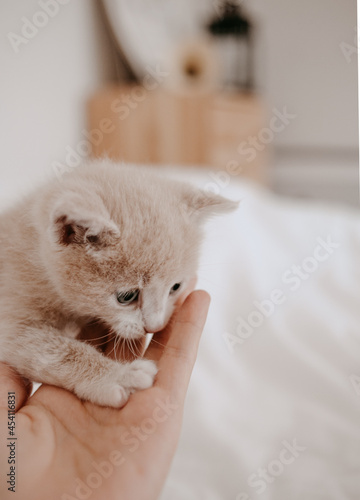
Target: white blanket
273, 408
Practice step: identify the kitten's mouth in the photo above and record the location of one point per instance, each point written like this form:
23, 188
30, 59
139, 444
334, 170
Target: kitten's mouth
154, 330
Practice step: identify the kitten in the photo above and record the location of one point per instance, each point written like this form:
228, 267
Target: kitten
111, 243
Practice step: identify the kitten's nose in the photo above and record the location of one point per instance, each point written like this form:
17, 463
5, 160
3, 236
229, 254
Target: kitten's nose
154, 324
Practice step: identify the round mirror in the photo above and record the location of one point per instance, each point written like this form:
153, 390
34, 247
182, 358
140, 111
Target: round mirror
148, 32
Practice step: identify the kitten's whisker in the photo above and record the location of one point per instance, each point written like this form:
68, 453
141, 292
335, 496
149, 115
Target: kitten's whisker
120, 346
90, 341
113, 349
131, 346
138, 349
123, 349
157, 342
126, 348
116, 344
99, 338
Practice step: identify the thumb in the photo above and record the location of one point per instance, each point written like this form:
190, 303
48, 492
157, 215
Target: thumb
175, 348
12, 382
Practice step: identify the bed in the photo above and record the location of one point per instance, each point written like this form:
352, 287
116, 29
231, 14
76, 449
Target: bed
273, 408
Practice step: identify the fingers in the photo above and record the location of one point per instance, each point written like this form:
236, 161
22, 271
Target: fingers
175, 348
12, 382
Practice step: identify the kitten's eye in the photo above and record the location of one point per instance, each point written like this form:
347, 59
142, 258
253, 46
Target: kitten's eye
127, 297
175, 288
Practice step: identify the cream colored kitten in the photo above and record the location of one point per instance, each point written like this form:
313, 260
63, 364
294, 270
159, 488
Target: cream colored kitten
110, 243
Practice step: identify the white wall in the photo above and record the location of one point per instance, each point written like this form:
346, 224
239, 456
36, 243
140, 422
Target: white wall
302, 67
44, 86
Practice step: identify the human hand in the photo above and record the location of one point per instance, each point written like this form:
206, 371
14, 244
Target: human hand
68, 449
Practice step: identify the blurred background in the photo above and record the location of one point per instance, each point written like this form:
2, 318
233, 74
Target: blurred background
265, 90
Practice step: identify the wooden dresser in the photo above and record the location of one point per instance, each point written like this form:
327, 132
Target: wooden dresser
132, 124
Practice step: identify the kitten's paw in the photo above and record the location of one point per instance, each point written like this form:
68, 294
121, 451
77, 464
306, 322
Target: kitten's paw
109, 394
115, 388
139, 374
115, 396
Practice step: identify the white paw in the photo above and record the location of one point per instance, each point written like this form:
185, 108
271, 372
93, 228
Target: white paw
139, 374
107, 393
115, 388
114, 395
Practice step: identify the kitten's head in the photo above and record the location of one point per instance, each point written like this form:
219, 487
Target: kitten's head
122, 243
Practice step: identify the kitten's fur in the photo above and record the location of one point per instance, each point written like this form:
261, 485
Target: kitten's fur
69, 248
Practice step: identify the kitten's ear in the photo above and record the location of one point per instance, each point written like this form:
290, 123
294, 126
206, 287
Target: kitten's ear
73, 222
203, 204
